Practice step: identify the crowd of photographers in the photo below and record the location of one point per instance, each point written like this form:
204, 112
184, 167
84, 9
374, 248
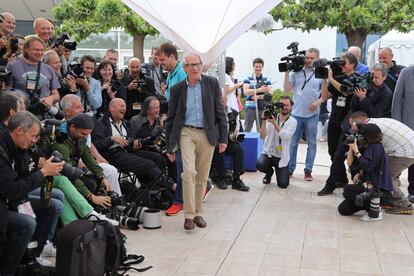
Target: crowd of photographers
72, 132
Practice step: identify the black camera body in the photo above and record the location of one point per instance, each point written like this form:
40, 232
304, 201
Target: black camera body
294, 61
75, 69
64, 40
234, 136
350, 139
355, 81
321, 70
156, 141
72, 173
363, 197
37, 107
270, 108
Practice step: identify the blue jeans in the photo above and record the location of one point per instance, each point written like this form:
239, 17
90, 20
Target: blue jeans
310, 126
178, 196
20, 229
56, 203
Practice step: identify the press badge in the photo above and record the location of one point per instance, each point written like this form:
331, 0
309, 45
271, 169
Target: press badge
279, 150
30, 84
341, 102
26, 209
136, 106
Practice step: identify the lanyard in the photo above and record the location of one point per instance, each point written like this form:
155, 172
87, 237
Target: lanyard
117, 128
278, 120
39, 63
307, 80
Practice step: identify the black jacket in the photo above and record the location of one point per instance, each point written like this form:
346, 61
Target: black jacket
393, 74
102, 133
376, 104
16, 180
215, 124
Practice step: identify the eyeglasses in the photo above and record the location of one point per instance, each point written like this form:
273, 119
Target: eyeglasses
193, 65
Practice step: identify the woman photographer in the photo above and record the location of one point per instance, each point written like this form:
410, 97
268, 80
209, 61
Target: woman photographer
374, 179
111, 88
14, 48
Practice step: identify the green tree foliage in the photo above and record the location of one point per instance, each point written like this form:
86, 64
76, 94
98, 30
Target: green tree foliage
354, 18
81, 18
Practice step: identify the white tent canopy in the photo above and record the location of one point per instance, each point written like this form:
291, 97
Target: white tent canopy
402, 45
205, 27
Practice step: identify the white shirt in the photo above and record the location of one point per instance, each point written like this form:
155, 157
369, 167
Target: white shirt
231, 97
117, 130
398, 139
272, 140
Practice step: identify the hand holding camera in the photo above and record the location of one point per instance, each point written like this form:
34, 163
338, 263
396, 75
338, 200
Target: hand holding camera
104, 201
133, 85
70, 81
50, 168
360, 93
120, 141
83, 82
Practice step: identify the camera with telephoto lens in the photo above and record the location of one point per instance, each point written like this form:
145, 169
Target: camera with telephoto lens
129, 223
72, 173
350, 139
294, 61
75, 69
271, 108
234, 136
37, 107
355, 81
363, 197
64, 40
155, 142
321, 69
14, 45
5, 76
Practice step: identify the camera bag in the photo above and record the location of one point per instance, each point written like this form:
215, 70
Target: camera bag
89, 248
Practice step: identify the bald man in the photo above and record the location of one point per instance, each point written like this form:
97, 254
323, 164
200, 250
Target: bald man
43, 29
139, 87
361, 68
7, 27
385, 56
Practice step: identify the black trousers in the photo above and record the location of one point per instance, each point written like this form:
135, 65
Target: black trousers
146, 170
153, 156
337, 171
334, 137
266, 164
348, 207
411, 180
236, 152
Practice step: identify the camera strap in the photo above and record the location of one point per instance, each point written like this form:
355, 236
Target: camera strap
278, 120
306, 80
392, 77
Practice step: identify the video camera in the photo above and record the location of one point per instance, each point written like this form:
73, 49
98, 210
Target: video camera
321, 71
64, 40
355, 81
234, 136
294, 61
271, 108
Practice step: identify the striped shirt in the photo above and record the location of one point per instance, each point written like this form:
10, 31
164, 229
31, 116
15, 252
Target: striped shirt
398, 139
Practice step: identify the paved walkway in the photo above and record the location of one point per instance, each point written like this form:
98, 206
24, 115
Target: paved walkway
270, 231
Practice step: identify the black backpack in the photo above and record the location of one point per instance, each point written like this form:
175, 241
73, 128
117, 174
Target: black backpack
89, 248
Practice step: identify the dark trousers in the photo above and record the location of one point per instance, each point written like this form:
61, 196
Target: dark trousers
411, 180
20, 230
348, 207
266, 164
334, 137
236, 152
153, 156
146, 170
337, 171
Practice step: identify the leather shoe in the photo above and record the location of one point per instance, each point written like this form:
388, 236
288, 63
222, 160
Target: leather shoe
188, 224
220, 184
239, 185
200, 222
327, 190
267, 179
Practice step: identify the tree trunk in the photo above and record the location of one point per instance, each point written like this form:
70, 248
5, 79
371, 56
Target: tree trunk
138, 47
356, 37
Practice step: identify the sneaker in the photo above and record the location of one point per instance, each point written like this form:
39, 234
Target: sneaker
49, 250
367, 218
408, 210
220, 184
43, 261
308, 176
209, 188
267, 179
93, 216
239, 185
175, 209
411, 198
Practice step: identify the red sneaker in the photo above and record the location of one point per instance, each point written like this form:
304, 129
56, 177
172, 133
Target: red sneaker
308, 176
175, 209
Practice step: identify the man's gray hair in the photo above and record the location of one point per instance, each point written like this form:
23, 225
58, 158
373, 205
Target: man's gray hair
48, 55
21, 96
356, 51
66, 101
25, 120
192, 54
313, 50
380, 67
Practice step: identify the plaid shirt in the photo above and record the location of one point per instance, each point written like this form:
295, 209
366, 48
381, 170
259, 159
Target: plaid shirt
398, 139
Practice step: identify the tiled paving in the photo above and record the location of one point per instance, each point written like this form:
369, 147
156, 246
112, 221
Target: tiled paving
270, 231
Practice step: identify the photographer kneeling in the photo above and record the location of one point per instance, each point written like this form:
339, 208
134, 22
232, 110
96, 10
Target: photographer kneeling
235, 151
22, 220
277, 130
375, 172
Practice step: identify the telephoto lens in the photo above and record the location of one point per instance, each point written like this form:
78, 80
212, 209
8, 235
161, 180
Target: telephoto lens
374, 207
128, 223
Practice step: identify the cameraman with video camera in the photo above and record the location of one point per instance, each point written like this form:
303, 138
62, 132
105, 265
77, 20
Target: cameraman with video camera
36, 78
23, 216
307, 97
139, 87
374, 172
277, 129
